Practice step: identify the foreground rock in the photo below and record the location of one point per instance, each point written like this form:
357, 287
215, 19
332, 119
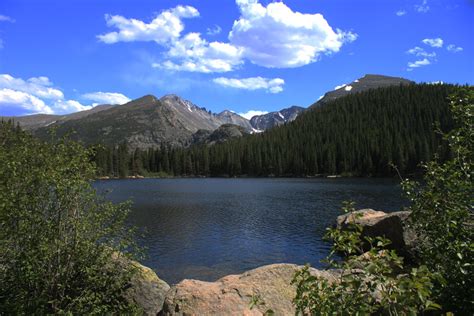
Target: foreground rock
393, 226
147, 290
232, 294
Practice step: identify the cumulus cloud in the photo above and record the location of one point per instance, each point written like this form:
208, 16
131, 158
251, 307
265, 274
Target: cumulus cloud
165, 27
37, 86
419, 63
401, 12
251, 113
195, 54
433, 42
22, 100
106, 98
269, 36
255, 83
420, 52
454, 49
4, 18
422, 7
39, 95
276, 36
214, 31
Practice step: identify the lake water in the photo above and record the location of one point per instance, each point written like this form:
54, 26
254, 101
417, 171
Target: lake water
207, 228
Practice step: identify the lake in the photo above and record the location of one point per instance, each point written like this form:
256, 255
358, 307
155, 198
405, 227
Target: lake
207, 228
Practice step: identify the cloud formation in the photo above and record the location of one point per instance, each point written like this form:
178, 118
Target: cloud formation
165, 27
251, 113
18, 99
106, 98
254, 83
195, 54
39, 95
433, 42
454, 49
271, 36
419, 63
420, 52
4, 18
214, 31
276, 36
423, 7
401, 12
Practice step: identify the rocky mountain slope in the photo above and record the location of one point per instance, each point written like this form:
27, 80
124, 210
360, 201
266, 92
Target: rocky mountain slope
143, 123
272, 119
35, 121
362, 84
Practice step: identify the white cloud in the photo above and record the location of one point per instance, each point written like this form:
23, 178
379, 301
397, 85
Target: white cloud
214, 31
69, 106
453, 48
423, 7
165, 27
255, 83
249, 114
433, 42
419, 63
420, 52
271, 36
195, 54
37, 86
4, 18
106, 98
37, 95
276, 36
23, 100
401, 12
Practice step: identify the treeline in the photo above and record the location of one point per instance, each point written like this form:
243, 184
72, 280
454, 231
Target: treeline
361, 134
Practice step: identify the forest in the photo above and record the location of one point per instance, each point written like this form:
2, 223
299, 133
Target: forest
363, 134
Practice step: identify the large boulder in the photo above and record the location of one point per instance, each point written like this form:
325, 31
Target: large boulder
232, 295
146, 289
393, 226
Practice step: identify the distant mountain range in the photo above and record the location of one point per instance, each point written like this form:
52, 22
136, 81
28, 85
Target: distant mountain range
149, 122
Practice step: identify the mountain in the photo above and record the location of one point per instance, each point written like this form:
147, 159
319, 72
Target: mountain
142, 123
272, 119
35, 121
230, 117
222, 134
357, 134
365, 83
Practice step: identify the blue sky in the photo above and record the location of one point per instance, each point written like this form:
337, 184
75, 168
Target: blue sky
242, 55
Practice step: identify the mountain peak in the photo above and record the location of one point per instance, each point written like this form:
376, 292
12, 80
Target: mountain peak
367, 82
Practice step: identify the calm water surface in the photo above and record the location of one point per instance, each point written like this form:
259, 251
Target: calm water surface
207, 228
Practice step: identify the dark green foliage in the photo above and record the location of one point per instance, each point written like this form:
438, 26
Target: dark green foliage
58, 239
442, 211
360, 134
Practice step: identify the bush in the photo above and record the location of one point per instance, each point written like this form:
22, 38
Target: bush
59, 241
442, 211
375, 282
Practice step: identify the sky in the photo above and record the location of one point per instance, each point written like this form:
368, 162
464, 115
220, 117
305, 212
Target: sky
248, 56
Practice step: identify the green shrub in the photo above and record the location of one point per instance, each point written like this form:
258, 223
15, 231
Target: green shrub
57, 237
375, 282
442, 211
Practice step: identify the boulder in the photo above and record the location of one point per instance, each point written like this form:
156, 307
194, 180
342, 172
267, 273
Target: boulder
147, 290
393, 226
232, 295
